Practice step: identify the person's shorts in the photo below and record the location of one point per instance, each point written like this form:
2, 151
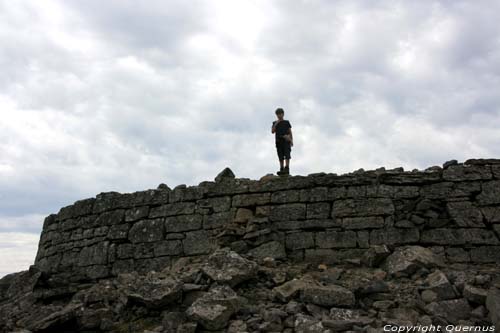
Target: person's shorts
283, 149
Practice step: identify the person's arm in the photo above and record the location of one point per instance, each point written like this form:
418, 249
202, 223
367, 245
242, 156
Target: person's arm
273, 128
291, 136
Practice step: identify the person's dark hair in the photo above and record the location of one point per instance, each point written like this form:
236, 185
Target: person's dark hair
279, 110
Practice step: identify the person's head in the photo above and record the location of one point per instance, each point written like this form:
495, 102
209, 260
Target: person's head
280, 113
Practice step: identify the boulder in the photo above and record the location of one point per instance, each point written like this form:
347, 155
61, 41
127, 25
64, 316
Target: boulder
328, 296
407, 260
289, 290
439, 284
474, 294
375, 255
228, 267
214, 309
452, 310
493, 305
224, 174
274, 249
155, 290
311, 291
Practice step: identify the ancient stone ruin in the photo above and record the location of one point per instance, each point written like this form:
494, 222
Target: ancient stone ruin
320, 253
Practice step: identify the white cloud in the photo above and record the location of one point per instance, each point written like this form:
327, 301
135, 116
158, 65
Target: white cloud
18, 251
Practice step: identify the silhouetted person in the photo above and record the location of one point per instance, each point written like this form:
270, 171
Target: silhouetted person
284, 141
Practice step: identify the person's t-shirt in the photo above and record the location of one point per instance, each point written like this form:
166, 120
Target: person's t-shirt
281, 129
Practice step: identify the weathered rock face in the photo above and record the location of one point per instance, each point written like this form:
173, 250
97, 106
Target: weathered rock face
232, 254
454, 212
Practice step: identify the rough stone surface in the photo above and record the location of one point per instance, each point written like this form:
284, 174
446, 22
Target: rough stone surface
493, 305
213, 310
229, 267
273, 249
438, 283
410, 223
408, 259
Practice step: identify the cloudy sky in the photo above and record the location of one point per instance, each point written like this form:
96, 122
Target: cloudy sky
122, 95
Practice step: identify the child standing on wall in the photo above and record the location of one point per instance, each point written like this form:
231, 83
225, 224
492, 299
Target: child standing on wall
284, 141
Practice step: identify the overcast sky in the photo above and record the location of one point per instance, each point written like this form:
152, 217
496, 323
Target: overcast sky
100, 96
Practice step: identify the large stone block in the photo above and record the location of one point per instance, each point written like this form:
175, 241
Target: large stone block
153, 197
168, 248
362, 207
79, 208
394, 236
94, 255
183, 223
197, 242
466, 172
457, 254
406, 260
243, 215
328, 296
213, 205
299, 240
331, 256
118, 231
144, 250
363, 222
493, 305
110, 217
336, 239
228, 187
190, 193
446, 190
314, 194
452, 310
335, 193
318, 210
147, 231
293, 211
107, 201
69, 258
217, 220
122, 266
306, 224
285, 196
273, 249
465, 214
491, 214
136, 213
460, 236
410, 178
253, 199
490, 193
124, 251
152, 264
438, 283
405, 192
176, 208
214, 309
228, 267
495, 169
363, 238
485, 254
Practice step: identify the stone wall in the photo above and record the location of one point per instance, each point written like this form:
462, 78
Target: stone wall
454, 210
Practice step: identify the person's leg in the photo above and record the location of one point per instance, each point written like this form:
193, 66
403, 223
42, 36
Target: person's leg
279, 150
287, 159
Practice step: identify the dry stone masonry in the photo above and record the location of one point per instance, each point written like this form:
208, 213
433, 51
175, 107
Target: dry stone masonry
325, 218
368, 251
